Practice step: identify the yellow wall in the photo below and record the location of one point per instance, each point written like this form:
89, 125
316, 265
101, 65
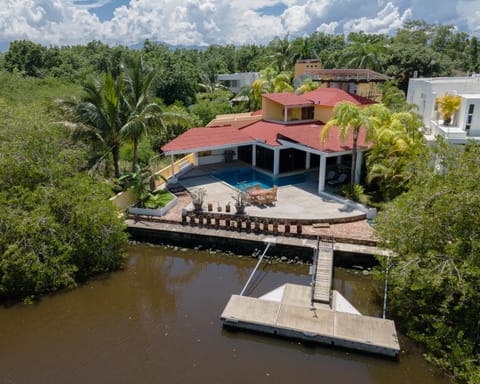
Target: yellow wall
272, 110
301, 67
323, 113
125, 199
166, 172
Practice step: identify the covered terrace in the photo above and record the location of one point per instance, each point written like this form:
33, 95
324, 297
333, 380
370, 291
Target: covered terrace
270, 147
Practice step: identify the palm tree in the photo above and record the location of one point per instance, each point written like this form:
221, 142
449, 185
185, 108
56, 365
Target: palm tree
307, 86
348, 118
365, 52
269, 81
281, 57
98, 117
397, 145
144, 117
448, 105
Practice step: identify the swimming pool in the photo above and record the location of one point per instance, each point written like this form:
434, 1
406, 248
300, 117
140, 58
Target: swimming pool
245, 177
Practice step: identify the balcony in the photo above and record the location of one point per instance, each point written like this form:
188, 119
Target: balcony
450, 133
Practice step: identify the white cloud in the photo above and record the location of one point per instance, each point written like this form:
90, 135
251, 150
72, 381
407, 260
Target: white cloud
203, 22
469, 10
387, 21
329, 28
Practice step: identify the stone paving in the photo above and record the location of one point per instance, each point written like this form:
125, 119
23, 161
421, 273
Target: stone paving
358, 231
295, 202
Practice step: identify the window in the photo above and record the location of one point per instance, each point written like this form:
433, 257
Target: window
307, 113
471, 109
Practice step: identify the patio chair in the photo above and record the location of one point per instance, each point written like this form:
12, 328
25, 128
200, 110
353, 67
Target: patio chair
340, 180
331, 175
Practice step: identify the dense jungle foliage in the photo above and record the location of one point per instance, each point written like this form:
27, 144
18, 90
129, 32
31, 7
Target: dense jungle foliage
57, 226
435, 278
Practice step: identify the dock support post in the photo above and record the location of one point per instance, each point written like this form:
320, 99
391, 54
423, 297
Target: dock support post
386, 289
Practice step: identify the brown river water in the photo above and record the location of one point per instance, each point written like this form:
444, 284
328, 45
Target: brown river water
157, 321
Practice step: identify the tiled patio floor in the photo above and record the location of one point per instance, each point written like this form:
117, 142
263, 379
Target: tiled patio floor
294, 202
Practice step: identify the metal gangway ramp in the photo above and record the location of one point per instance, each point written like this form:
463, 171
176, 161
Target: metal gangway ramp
323, 273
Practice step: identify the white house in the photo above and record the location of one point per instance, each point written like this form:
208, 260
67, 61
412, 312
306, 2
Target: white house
465, 125
235, 81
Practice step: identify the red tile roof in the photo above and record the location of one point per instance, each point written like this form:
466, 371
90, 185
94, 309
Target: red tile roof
199, 138
264, 131
332, 96
307, 134
287, 99
310, 135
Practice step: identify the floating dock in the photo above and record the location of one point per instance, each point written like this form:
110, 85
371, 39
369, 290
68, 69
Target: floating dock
288, 311
317, 313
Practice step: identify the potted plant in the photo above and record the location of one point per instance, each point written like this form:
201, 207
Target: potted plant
447, 106
197, 195
241, 199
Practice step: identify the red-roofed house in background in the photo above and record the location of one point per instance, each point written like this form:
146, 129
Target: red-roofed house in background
283, 140
362, 82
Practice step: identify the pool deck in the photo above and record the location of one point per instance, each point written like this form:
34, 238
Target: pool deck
296, 202
351, 236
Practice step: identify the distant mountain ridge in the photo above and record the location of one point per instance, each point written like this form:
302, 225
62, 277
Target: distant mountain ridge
139, 45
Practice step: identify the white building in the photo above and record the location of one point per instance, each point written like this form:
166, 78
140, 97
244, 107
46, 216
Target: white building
465, 124
235, 81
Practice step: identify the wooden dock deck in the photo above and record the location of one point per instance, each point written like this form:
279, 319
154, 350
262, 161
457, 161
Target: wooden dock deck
293, 316
322, 285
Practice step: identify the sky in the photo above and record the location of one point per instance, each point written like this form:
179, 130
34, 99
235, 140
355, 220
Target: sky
205, 22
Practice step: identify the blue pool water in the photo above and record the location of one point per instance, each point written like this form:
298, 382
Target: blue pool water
245, 177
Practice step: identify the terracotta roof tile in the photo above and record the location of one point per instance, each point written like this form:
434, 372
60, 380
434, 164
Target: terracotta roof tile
287, 99
310, 136
332, 96
307, 134
199, 138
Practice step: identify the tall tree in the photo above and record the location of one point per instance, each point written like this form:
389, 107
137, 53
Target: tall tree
434, 277
398, 145
365, 51
144, 117
98, 116
348, 118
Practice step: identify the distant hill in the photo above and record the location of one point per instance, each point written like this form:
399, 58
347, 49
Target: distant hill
139, 45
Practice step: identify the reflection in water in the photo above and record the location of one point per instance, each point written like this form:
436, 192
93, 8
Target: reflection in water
158, 321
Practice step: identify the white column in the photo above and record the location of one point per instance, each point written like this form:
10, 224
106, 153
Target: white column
173, 178
321, 173
254, 155
285, 114
172, 165
307, 161
358, 167
276, 162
